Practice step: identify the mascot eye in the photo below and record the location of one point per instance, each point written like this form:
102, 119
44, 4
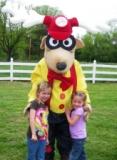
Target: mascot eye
69, 43
52, 43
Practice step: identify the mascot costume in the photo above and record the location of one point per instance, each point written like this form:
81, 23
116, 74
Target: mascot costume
64, 73
61, 70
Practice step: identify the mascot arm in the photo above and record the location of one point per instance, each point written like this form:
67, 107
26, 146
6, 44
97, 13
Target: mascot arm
36, 78
82, 86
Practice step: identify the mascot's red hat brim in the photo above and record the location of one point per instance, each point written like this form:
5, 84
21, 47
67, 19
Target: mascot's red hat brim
59, 35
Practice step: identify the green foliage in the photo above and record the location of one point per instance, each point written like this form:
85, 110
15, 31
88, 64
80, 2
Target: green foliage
99, 46
11, 37
35, 35
47, 10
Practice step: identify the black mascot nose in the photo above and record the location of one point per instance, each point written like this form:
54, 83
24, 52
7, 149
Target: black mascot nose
61, 66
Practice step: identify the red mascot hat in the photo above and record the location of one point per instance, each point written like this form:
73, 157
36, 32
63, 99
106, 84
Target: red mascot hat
60, 27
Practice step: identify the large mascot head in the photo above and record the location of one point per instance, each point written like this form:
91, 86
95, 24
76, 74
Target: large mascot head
60, 44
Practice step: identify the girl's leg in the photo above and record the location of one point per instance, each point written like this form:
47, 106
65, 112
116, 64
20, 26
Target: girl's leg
32, 149
41, 150
83, 155
77, 149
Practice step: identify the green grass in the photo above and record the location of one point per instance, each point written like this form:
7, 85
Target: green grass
102, 126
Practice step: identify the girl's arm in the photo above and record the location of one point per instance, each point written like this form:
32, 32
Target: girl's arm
32, 126
72, 120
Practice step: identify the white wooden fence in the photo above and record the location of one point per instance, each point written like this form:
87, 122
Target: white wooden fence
93, 71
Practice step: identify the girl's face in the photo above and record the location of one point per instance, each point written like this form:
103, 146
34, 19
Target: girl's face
44, 95
77, 101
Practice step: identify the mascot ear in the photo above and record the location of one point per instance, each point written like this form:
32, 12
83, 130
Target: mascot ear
42, 45
79, 43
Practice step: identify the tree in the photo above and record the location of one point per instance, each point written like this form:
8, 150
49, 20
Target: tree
101, 46
86, 53
47, 10
10, 36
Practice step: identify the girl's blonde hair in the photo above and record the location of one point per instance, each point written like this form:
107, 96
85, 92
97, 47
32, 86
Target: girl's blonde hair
42, 86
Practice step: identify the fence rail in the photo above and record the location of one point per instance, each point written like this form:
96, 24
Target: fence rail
93, 71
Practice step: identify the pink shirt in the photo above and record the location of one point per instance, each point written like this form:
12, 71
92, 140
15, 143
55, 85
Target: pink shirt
78, 130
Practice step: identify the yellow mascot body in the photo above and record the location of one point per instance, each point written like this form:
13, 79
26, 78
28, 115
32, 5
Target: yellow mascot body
59, 98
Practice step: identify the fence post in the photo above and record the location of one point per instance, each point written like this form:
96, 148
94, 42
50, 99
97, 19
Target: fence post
94, 72
11, 70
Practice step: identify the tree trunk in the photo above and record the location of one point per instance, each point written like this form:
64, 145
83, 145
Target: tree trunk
9, 54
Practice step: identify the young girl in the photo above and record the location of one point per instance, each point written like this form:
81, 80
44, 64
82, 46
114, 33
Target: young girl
38, 128
77, 126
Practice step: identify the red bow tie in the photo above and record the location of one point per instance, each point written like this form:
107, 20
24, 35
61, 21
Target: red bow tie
66, 82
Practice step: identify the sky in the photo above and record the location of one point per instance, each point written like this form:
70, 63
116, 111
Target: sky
93, 13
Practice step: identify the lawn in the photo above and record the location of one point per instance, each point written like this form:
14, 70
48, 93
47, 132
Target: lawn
102, 126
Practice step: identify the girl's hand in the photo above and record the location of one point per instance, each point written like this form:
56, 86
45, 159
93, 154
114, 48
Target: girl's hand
47, 141
87, 111
34, 137
67, 111
88, 108
86, 116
